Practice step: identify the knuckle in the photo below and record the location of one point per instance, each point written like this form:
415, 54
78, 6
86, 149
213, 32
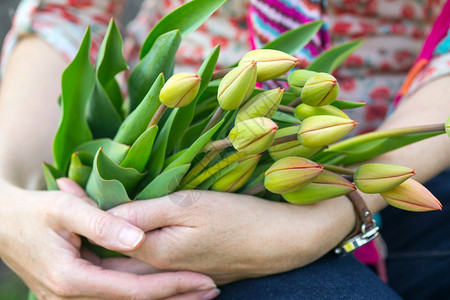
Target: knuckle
61, 288
99, 224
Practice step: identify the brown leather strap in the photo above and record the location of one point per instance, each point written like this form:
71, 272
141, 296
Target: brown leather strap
363, 215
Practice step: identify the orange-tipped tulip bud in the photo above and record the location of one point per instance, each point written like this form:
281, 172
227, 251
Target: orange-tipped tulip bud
412, 196
253, 136
270, 63
304, 111
236, 178
264, 104
293, 148
298, 78
378, 178
237, 86
325, 186
290, 174
319, 90
180, 90
319, 131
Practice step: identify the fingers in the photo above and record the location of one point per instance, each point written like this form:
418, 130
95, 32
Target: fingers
102, 228
203, 295
107, 284
148, 214
69, 186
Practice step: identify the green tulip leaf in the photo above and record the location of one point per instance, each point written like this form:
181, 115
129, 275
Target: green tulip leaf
185, 115
191, 134
50, 175
196, 147
447, 126
173, 157
77, 85
284, 117
115, 151
139, 154
294, 40
341, 104
80, 167
160, 59
156, 162
166, 183
330, 59
288, 97
105, 106
186, 18
109, 183
210, 181
136, 123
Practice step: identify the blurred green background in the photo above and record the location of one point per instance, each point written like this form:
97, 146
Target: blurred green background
11, 286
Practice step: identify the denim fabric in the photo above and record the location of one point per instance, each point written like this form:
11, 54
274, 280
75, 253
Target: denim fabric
330, 277
418, 263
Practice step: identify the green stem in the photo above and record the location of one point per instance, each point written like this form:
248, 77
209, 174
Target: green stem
295, 102
367, 137
338, 170
286, 109
220, 74
157, 116
217, 145
256, 189
214, 119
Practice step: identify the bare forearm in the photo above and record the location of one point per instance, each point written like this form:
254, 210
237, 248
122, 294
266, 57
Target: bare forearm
28, 111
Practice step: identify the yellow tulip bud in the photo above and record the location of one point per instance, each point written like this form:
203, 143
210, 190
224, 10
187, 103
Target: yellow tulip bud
304, 111
319, 131
290, 174
180, 90
236, 178
412, 196
325, 186
253, 136
264, 104
298, 78
378, 178
320, 89
237, 86
270, 63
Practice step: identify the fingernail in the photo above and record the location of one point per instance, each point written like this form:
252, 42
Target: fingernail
211, 294
130, 237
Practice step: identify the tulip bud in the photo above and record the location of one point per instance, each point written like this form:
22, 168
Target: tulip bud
264, 104
271, 63
237, 86
298, 78
290, 174
180, 90
320, 89
378, 178
253, 136
325, 186
412, 196
304, 111
319, 131
236, 178
293, 148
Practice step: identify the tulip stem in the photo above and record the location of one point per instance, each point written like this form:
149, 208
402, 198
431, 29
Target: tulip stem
157, 116
338, 170
217, 145
286, 109
220, 74
295, 102
386, 134
256, 189
214, 119
285, 139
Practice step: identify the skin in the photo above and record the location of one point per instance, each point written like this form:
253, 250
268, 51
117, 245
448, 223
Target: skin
40, 232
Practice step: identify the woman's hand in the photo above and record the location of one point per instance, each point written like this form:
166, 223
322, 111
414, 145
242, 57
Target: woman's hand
231, 236
39, 239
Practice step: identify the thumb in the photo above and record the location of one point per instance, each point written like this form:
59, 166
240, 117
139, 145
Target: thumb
82, 217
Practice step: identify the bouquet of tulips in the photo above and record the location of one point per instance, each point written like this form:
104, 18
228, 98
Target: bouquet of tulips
216, 130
